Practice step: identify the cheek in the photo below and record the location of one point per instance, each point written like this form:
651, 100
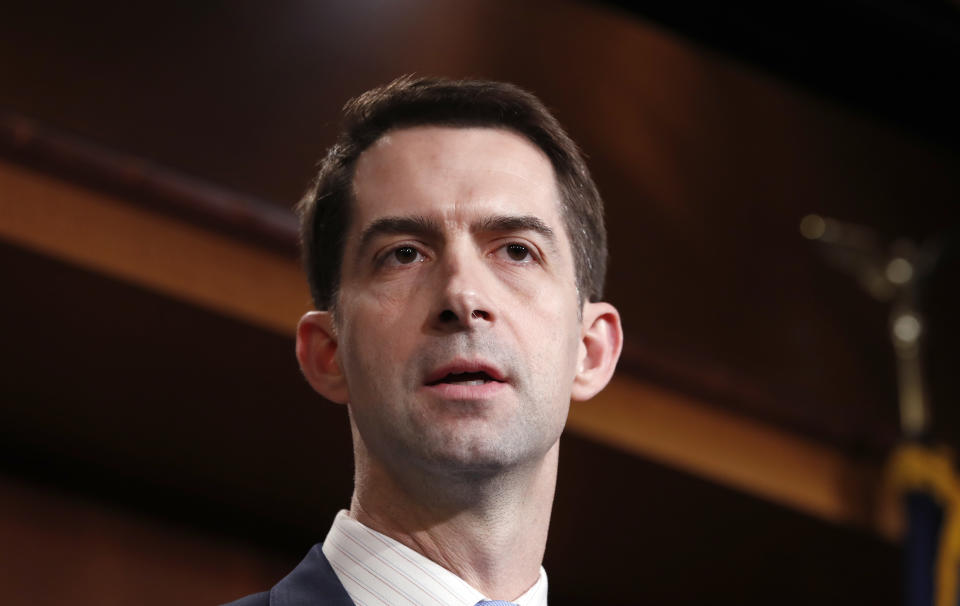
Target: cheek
525, 293
551, 338
373, 310
370, 320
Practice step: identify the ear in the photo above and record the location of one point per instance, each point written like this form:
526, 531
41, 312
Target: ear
317, 354
600, 347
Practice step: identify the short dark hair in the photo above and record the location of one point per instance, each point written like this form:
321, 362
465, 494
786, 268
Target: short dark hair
414, 101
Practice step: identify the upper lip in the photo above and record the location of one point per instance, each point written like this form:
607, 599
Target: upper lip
463, 366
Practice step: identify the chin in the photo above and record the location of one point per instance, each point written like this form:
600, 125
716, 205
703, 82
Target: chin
475, 459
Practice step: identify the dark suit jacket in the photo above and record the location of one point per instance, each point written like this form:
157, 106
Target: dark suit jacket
312, 583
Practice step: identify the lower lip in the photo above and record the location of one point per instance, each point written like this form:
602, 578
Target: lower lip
464, 391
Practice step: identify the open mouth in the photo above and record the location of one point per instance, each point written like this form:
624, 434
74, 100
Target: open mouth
465, 378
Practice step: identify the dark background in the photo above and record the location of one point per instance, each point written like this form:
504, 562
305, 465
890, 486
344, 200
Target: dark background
710, 132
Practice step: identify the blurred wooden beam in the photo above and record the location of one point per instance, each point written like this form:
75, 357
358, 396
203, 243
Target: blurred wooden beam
145, 183
104, 234
173, 257
681, 432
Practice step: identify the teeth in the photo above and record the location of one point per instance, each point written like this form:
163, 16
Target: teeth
465, 378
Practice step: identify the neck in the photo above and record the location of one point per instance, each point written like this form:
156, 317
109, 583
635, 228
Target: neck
490, 530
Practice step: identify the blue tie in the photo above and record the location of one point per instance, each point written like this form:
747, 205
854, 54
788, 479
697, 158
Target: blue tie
494, 603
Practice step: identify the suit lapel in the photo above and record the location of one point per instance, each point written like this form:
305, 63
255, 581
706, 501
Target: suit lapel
312, 583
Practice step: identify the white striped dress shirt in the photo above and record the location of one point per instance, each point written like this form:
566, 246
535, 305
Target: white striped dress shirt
379, 571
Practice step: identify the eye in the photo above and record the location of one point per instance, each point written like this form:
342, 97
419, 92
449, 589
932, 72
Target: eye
518, 253
405, 255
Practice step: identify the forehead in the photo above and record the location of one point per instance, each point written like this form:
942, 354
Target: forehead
453, 172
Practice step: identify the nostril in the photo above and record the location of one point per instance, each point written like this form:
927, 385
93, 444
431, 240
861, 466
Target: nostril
448, 316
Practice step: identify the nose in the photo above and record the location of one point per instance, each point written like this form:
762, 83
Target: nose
464, 294
463, 311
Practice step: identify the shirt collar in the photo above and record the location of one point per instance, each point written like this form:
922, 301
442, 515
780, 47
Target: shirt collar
376, 569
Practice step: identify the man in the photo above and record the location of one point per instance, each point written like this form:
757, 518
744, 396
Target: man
455, 247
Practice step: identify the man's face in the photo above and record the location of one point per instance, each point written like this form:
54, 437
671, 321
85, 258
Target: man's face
457, 319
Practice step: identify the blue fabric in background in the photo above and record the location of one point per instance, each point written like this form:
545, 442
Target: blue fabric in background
924, 519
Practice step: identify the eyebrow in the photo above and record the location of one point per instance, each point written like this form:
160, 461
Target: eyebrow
508, 223
416, 225
419, 225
